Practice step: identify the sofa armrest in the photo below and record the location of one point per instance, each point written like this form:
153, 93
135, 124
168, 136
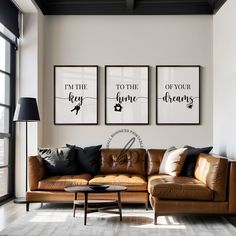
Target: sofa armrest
212, 170
232, 187
36, 171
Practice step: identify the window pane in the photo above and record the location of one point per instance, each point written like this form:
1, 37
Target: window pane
3, 181
4, 151
4, 89
4, 55
4, 120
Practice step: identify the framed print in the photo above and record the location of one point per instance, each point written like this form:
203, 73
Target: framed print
126, 95
75, 95
178, 95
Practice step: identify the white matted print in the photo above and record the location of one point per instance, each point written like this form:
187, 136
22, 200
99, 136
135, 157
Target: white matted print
75, 94
178, 95
127, 94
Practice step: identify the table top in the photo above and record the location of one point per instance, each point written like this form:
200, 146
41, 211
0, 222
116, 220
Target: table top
87, 189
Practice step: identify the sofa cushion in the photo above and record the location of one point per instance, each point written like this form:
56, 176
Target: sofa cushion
58, 161
173, 161
213, 171
154, 158
120, 161
178, 188
190, 162
132, 182
87, 159
60, 182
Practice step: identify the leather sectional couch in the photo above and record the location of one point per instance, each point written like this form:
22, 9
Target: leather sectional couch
212, 190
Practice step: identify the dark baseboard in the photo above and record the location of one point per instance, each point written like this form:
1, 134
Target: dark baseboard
6, 201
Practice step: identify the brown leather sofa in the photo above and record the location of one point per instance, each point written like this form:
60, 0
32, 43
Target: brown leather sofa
211, 191
127, 169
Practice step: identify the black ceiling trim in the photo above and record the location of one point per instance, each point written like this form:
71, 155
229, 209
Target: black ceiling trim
218, 5
130, 4
129, 7
42, 4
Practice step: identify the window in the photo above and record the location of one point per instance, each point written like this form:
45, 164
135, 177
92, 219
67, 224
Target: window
7, 105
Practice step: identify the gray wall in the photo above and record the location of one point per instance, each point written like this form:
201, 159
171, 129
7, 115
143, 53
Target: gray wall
225, 80
150, 40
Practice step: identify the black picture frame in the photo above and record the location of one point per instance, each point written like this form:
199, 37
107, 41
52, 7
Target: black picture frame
97, 94
148, 95
199, 94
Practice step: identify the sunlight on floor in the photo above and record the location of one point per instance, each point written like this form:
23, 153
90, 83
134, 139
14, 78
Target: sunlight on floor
163, 222
50, 217
152, 226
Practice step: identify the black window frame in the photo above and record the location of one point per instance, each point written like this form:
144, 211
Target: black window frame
11, 134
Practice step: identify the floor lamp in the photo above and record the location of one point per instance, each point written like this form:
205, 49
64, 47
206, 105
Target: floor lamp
26, 111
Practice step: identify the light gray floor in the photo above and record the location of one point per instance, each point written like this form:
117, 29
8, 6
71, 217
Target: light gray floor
10, 212
56, 219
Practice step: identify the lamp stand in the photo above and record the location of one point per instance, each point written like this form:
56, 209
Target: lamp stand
26, 110
22, 200
26, 156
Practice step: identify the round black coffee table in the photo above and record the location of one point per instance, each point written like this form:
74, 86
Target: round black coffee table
96, 205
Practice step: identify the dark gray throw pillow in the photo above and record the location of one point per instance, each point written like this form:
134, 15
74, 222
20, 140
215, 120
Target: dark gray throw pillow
87, 159
190, 161
58, 161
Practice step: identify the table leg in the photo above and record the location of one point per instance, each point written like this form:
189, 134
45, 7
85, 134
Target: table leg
119, 205
74, 205
85, 207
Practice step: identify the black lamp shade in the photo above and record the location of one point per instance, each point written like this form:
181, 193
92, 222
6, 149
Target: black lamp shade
26, 110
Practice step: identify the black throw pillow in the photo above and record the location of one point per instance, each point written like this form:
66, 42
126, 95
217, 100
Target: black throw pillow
58, 161
190, 162
87, 159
